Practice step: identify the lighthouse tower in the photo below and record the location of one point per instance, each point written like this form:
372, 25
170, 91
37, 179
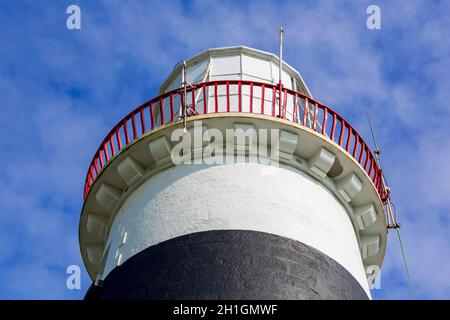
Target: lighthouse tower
233, 184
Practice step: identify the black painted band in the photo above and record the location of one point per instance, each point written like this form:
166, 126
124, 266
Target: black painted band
229, 264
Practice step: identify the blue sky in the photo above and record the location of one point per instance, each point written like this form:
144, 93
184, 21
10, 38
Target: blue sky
62, 90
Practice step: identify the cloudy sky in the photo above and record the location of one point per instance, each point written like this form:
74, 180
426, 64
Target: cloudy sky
61, 91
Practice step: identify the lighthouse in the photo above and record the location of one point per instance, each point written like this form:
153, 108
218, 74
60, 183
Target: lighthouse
233, 183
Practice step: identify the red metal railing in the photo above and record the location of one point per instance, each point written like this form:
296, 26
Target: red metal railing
235, 96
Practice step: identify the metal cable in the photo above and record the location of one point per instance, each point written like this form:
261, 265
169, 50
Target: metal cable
406, 264
377, 157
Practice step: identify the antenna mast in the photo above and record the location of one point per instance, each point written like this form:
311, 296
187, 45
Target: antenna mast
184, 84
280, 83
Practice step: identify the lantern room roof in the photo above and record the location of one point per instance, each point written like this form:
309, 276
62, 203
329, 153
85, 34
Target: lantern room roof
236, 63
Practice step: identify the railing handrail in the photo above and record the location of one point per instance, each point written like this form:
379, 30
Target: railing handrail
156, 107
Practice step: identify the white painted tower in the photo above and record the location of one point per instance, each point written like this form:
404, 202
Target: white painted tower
298, 217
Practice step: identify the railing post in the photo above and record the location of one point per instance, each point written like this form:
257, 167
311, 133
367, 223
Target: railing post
251, 97
341, 133
133, 124
111, 145
193, 99
355, 146
325, 118
361, 152
171, 107
125, 129
333, 126
294, 116
216, 98
152, 116
280, 99
105, 150
349, 137
141, 113
95, 161
263, 90
367, 157
102, 163
274, 98
315, 116
228, 96
161, 111
205, 109
305, 113
239, 96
